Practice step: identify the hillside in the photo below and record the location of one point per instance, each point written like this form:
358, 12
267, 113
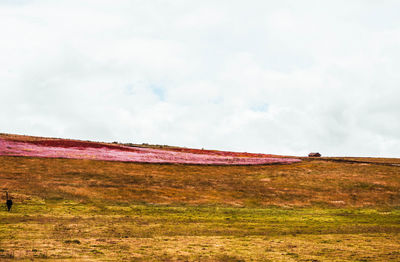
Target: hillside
360, 182
12, 145
316, 209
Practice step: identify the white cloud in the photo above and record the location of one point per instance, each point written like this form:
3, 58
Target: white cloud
276, 77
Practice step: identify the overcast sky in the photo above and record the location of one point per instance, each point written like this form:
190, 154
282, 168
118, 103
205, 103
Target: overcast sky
285, 77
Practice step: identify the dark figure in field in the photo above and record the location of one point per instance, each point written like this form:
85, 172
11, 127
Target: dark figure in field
9, 202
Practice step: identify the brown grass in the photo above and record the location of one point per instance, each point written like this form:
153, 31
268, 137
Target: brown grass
321, 209
314, 182
254, 248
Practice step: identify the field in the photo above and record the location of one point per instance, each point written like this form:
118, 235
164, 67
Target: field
319, 209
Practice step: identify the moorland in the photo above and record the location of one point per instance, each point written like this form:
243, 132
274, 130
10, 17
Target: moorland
316, 209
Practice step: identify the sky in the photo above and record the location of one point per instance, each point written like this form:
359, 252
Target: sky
281, 77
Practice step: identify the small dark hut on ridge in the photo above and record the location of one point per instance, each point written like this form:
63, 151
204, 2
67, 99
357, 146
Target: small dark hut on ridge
314, 154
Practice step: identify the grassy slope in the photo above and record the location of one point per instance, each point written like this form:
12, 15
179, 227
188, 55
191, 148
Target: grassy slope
315, 210
313, 182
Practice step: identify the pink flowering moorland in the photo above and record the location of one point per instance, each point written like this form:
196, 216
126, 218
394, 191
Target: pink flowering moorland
61, 148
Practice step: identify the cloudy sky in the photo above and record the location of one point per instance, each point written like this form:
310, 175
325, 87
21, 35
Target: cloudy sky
286, 77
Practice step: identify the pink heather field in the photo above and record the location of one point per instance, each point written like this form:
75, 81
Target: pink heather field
100, 151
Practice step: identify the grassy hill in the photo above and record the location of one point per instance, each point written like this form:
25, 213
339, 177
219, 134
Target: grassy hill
319, 209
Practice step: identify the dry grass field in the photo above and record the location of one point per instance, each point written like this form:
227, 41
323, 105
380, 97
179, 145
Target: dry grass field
320, 209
